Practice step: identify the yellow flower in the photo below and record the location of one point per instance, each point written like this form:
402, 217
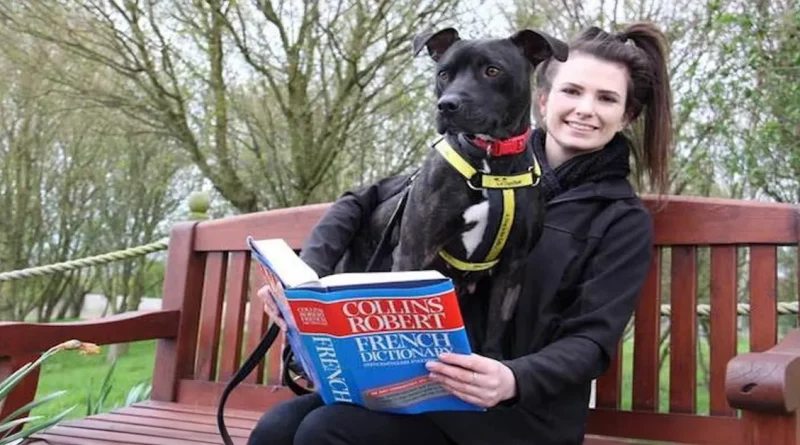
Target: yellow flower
83, 347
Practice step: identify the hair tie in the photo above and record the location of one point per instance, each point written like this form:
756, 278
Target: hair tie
621, 36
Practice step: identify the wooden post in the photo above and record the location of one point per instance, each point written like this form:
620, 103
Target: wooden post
199, 203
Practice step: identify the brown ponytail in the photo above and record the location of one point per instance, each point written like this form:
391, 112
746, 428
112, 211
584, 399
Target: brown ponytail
642, 48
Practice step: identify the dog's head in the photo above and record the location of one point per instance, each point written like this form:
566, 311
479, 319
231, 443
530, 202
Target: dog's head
483, 87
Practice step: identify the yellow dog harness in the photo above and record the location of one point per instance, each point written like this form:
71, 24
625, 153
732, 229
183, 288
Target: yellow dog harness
478, 180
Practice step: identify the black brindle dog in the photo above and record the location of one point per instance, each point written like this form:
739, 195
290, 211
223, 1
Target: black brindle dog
457, 218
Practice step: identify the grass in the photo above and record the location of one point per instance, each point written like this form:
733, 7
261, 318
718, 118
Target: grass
702, 395
75, 373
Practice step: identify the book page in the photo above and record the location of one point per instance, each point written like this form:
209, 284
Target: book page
278, 256
356, 278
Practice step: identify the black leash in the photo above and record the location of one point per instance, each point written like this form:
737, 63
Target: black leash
272, 334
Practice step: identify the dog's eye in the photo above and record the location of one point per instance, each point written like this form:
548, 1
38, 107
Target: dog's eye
443, 75
492, 71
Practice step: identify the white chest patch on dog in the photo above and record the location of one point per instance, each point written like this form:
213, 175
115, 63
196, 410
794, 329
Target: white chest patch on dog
478, 214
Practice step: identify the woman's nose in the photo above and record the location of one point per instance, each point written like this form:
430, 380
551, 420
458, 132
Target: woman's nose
585, 105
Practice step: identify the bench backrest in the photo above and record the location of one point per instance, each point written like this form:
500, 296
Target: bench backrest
721, 251
726, 253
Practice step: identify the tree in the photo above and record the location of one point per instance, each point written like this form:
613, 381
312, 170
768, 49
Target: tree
268, 99
77, 181
44, 192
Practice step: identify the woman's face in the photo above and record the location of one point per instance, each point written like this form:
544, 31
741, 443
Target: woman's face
585, 107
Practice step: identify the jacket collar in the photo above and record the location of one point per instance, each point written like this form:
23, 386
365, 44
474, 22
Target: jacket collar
610, 189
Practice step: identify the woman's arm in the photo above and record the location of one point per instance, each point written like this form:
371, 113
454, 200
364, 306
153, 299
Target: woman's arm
332, 235
589, 336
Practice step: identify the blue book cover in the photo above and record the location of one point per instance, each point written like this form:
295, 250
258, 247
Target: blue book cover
364, 338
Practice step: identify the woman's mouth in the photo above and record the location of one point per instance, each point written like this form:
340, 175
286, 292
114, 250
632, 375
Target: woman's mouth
580, 127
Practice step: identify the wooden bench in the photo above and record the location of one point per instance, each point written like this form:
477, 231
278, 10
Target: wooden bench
204, 329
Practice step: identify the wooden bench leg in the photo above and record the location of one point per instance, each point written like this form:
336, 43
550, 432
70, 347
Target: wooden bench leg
763, 428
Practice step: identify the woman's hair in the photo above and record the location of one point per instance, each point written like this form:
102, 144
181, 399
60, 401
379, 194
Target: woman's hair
642, 49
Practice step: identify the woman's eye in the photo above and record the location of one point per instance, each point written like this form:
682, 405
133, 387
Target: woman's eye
443, 75
492, 71
570, 91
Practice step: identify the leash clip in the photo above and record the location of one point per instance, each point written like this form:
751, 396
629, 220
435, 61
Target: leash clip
537, 178
473, 186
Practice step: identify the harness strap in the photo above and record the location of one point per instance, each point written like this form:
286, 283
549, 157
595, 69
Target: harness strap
509, 206
504, 184
477, 179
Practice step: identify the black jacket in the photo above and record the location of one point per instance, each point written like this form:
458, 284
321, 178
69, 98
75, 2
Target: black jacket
584, 278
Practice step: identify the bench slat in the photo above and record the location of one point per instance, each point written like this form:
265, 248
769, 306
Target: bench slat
230, 234
681, 428
609, 384
256, 326
602, 440
688, 220
200, 409
723, 339
76, 430
52, 439
211, 316
234, 314
274, 361
683, 330
249, 397
763, 298
187, 417
160, 434
172, 424
647, 333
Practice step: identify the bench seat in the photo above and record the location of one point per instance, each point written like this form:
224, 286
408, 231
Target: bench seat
152, 423
165, 423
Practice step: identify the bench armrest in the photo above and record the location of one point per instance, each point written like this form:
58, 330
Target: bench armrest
23, 339
769, 381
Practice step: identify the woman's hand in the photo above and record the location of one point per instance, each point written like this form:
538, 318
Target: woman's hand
271, 308
473, 378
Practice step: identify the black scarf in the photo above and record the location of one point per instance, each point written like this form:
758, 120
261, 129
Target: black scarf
610, 162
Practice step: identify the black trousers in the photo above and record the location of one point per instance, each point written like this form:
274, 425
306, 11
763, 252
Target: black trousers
305, 420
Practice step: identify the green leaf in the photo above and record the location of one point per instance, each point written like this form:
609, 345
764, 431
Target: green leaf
7, 426
13, 380
31, 406
35, 428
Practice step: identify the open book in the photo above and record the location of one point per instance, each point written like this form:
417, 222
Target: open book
364, 338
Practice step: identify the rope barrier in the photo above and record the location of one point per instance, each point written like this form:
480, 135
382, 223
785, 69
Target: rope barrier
66, 266
704, 310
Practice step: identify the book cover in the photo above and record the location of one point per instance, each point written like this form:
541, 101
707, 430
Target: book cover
364, 338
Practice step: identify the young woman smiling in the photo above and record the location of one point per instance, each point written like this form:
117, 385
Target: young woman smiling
584, 275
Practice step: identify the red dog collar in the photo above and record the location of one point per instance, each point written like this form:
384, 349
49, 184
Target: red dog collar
504, 147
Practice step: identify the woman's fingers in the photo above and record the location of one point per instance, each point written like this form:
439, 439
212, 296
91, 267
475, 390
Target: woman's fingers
270, 308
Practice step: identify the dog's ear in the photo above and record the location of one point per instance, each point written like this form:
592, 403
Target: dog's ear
538, 46
437, 42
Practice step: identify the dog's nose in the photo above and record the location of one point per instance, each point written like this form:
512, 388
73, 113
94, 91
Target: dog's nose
449, 104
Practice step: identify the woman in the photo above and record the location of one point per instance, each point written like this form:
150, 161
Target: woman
584, 275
